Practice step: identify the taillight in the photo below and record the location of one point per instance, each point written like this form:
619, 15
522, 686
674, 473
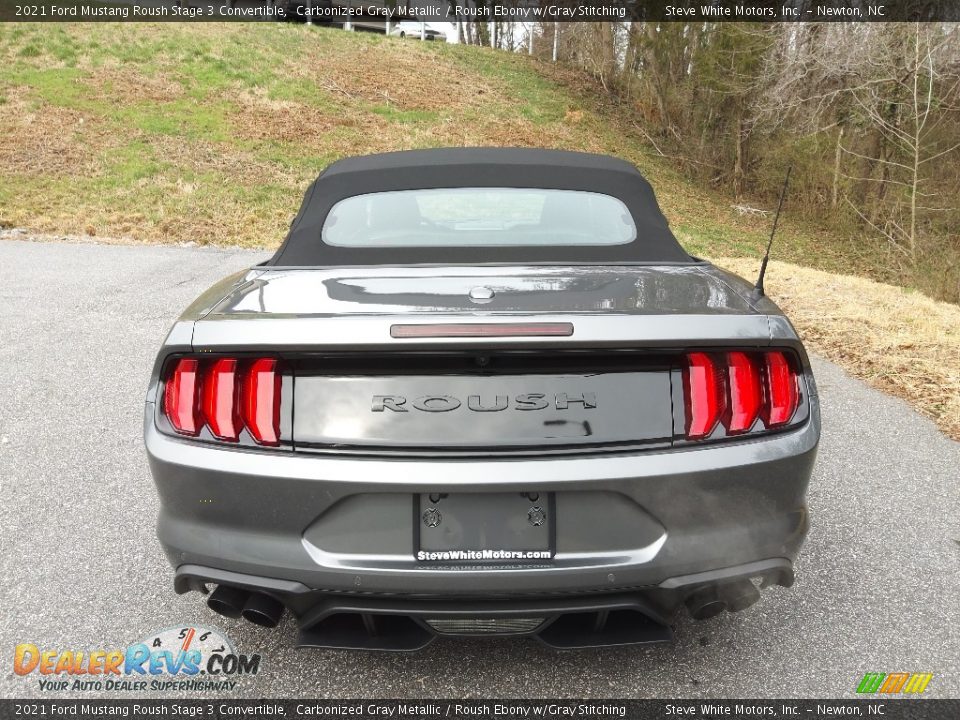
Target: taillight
743, 381
220, 399
225, 394
261, 401
736, 388
782, 394
703, 395
180, 397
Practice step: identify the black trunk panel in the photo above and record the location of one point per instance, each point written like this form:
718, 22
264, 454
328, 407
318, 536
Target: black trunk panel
483, 401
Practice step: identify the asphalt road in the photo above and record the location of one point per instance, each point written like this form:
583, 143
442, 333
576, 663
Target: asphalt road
878, 584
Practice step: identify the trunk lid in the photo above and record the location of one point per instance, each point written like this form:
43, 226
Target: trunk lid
680, 289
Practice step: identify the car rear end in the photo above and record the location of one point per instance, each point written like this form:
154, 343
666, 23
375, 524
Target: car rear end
572, 453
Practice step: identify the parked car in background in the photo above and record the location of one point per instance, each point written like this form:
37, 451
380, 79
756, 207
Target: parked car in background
418, 30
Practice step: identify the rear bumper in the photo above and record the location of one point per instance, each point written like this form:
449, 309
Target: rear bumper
405, 623
284, 515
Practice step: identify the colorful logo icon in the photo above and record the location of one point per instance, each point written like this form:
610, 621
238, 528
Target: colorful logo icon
175, 658
894, 683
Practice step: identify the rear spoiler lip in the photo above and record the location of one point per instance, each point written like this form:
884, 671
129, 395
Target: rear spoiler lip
220, 333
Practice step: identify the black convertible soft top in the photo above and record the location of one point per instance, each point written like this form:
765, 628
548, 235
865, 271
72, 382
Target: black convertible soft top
479, 167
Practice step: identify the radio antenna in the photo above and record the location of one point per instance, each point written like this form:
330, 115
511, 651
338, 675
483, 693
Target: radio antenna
758, 288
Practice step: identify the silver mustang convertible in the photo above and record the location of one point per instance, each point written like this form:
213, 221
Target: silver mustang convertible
481, 392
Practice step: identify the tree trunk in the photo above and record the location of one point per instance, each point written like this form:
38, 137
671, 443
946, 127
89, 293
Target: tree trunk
738, 163
836, 169
917, 126
653, 71
481, 31
630, 57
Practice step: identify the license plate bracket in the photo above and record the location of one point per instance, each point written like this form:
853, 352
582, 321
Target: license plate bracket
484, 527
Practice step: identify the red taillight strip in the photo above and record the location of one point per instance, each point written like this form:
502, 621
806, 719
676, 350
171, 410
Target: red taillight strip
220, 399
743, 382
455, 330
224, 394
735, 388
261, 401
180, 397
703, 395
783, 397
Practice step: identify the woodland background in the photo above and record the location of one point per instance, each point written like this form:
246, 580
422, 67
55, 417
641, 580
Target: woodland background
868, 115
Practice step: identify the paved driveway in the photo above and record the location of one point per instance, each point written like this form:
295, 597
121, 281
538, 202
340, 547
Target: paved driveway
878, 584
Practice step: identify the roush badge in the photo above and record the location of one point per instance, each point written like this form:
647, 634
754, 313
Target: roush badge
483, 403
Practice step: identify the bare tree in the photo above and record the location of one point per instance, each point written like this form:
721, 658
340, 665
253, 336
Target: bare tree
868, 114
908, 90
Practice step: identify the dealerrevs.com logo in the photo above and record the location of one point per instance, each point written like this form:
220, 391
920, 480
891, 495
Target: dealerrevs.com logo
179, 658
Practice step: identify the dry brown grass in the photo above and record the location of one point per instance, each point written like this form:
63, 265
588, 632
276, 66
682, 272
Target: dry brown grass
49, 140
111, 81
406, 76
898, 341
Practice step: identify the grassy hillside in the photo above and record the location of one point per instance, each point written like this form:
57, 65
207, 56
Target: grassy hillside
210, 133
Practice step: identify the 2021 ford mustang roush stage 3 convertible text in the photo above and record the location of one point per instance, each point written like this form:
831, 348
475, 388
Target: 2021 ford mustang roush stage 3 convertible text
481, 392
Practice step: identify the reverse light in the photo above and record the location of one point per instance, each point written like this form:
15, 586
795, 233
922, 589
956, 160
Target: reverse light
734, 389
225, 395
180, 397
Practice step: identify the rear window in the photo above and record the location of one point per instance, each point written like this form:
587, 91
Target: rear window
479, 217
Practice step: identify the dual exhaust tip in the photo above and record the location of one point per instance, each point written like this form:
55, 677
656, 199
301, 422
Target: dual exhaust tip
713, 600
253, 607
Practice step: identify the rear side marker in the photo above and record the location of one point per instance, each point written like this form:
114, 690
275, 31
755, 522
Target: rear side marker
225, 395
735, 389
490, 330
